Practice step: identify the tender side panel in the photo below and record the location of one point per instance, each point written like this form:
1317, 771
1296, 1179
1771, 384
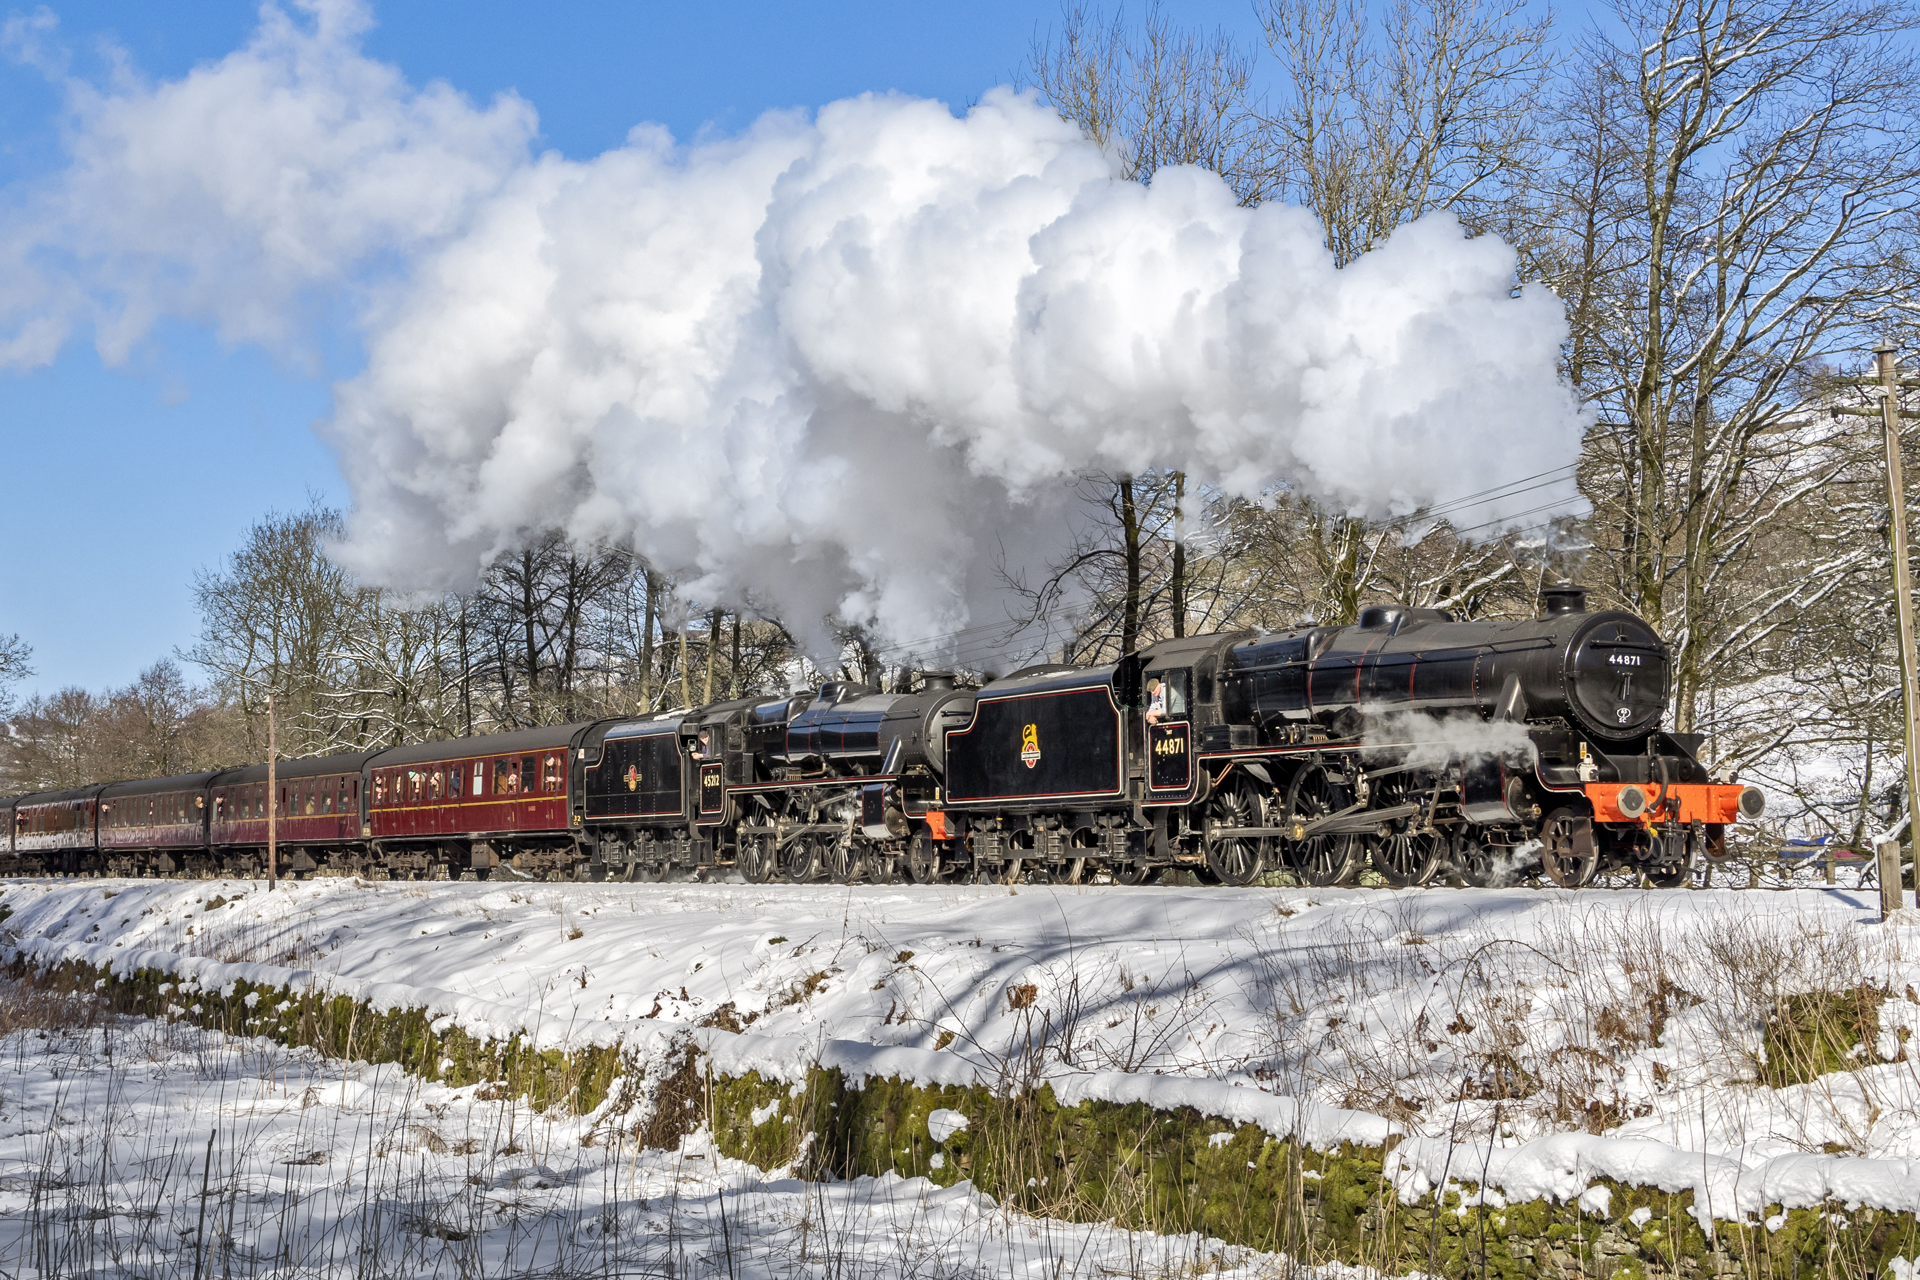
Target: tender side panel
638, 777
1043, 746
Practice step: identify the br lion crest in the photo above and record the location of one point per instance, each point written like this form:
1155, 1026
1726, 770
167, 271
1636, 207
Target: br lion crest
1030, 744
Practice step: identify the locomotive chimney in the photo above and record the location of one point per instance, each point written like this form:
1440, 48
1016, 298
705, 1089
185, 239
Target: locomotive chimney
931, 680
1565, 598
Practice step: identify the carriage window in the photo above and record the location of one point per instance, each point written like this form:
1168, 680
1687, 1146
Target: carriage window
551, 781
326, 795
435, 784
454, 775
530, 774
379, 790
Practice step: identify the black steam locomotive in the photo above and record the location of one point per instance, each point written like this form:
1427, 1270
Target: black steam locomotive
1409, 742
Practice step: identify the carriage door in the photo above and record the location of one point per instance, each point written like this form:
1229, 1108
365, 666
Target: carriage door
1170, 736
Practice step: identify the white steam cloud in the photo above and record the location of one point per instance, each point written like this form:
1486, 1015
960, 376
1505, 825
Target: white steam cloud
843, 364
1433, 741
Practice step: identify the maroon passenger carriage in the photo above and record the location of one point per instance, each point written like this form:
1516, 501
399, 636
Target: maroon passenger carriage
317, 814
53, 831
478, 804
156, 825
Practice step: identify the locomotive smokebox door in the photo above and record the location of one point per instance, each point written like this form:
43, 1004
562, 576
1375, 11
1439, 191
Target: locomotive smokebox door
713, 792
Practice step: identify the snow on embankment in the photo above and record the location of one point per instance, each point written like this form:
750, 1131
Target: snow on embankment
1542, 1041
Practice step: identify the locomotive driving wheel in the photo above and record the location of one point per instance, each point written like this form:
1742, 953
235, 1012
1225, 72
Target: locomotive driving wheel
845, 863
800, 860
1323, 858
1404, 857
1237, 860
1567, 852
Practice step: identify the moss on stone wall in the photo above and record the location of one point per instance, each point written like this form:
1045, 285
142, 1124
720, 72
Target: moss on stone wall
1162, 1170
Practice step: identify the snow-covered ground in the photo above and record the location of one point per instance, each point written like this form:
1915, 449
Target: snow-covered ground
130, 1148
1599, 1032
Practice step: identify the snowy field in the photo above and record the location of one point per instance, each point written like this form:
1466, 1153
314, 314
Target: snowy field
1541, 1036
138, 1149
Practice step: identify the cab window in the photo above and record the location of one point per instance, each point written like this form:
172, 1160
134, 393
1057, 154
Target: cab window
1175, 684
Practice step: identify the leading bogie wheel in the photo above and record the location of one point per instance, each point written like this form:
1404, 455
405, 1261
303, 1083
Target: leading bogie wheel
923, 859
1475, 861
1568, 853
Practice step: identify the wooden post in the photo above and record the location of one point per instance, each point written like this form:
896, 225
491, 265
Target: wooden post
273, 799
1902, 590
1892, 897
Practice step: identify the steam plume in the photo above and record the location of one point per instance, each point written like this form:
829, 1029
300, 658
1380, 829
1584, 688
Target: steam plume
848, 363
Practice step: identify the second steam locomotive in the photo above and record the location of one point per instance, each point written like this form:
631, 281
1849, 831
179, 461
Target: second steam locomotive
1410, 743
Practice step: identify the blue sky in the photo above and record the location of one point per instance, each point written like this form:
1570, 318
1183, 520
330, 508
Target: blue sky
125, 480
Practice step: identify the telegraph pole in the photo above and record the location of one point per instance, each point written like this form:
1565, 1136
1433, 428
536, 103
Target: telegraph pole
273, 799
1902, 588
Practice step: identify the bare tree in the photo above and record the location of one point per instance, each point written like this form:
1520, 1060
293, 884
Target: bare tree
1433, 104
1772, 173
15, 656
276, 616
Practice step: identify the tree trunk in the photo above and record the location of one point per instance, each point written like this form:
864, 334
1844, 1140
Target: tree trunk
733, 666
650, 614
1177, 588
1130, 535
713, 654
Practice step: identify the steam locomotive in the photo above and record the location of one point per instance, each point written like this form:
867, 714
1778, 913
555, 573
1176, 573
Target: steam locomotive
1410, 743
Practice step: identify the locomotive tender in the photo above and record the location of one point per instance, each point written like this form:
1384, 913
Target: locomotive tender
1409, 742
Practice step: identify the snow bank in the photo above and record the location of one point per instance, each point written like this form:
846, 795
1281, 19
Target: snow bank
1326, 1017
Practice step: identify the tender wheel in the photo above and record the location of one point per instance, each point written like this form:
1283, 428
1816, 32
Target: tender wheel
1327, 858
1136, 873
1237, 860
1072, 871
1567, 852
1012, 871
923, 859
800, 861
